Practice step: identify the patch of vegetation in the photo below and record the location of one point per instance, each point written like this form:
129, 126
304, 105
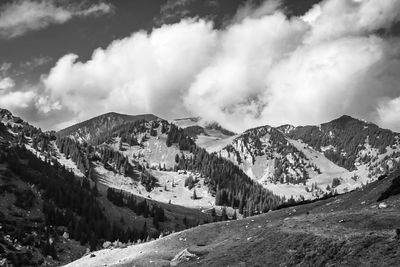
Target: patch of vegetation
216, 126
394, 189
194, 131
67, 201
25, 199
231, 185
348, 136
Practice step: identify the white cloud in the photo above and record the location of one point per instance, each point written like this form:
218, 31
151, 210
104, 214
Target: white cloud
141, 73
389, 111
251, 10
262, 69
17, 99
12, 99
339, 18
6, 83
19, 17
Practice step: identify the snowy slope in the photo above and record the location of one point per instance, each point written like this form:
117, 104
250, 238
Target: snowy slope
187, 122
213, 137
279, 159
171, 187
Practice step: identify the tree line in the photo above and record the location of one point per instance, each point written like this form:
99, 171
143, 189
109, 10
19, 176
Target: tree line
231, 186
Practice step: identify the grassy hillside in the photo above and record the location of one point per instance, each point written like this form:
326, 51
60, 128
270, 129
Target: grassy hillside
346, 230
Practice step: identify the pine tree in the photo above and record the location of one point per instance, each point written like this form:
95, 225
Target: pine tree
234, 217
223, 214
93, 242
194, 194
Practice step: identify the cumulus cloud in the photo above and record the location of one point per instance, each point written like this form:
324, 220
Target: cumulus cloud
264, 68
389, 112
141, 73
19, 17
17, 99
338, 18
12, 99
6, 83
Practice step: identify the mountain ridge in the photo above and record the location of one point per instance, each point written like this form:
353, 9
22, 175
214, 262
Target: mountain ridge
91, 128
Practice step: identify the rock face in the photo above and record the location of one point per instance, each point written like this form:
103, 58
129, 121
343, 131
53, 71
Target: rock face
182, 256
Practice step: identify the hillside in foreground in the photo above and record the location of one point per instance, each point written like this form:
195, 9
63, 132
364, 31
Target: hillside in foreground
352, 229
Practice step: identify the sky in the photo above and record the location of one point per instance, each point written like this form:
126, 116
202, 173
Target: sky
240, 63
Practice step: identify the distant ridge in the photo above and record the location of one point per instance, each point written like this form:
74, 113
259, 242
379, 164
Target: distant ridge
89, 129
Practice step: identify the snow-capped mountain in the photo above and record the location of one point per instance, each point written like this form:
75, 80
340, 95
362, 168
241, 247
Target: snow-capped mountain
352, 143
300, 162
309, 161
158, 160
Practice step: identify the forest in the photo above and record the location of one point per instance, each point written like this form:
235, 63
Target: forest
232, 187
67, 202
347, 136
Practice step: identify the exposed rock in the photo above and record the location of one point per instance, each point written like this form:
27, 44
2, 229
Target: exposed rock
106, 244
382, 205
182, 256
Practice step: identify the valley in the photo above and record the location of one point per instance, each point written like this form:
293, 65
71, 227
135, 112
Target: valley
151, 178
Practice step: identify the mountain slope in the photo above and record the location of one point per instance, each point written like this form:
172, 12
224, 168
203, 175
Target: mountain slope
88, 130
147, 158
208, 135
310, 161
48, 210
346, 230
349, 142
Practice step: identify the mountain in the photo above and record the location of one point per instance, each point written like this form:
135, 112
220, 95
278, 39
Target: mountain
52, 210
310, 161
352, 229
157, 159
303, 162
135, 178
208, 135
88, 130
350, 143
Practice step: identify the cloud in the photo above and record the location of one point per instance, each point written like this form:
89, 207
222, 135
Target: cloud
6, 83
263, 68
4, 67
173, 10
14, 99
250, 9
337, 18
20, 17
35, 62
389, 111
141, 73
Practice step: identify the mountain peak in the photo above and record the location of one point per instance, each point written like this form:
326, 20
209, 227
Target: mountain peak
5, 114
344, 121
89, 129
